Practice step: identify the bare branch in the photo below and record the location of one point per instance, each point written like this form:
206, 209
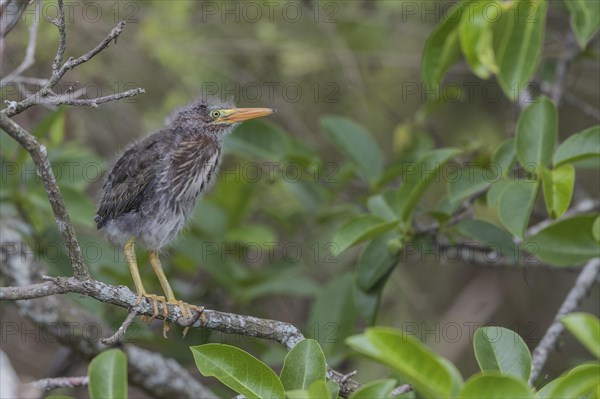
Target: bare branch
580, 290
582, 106
29, 58
584, 206
44, 170
62, 43
40, 96
13, 250
120, 333
160, 376
48, 384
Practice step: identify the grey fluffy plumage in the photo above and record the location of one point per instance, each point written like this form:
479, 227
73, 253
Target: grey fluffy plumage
151, 190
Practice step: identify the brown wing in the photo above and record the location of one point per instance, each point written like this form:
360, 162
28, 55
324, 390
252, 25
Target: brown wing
130, 181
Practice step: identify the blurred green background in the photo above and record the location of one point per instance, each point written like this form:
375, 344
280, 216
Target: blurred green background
261, 242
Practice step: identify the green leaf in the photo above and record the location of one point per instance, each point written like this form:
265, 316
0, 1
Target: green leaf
504, 157
495, 192
515, 205
558, 188
360, 228
378, 206
334, 389
303, 365
518, 42
237, 369
495, 386
422, 368
419, 177
586, 328
468, 181
442, 48
108, 375
375, 389
375, 262
577, 383
503, 350
579, 146
476, 40
537, 131
596, 229
333, 315
317, 390
357, 144
489, 235
585, 19
566, 242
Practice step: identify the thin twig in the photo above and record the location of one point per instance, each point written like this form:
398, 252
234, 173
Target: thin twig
580, 290
29, 58
582, 207
120, 333
48, 384
582, 106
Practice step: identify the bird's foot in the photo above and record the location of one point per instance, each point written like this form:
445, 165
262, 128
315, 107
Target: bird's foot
154, 300
187, 312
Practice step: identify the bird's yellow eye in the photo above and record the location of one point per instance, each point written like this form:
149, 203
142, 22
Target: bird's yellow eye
215, 114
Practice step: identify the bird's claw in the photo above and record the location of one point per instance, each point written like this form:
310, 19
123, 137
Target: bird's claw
154, 300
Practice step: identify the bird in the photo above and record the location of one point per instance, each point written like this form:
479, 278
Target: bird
151, 190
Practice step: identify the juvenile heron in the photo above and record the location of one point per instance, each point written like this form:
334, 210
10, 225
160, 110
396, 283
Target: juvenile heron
152, 189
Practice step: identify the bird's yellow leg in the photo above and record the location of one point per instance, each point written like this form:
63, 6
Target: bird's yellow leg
129, 250
186, 308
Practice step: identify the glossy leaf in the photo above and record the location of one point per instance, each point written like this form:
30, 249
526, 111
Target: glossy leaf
442, 48
334, 389
476, 40
495, 192
585, 19
518, 41
489, 235
422, 368
303, 365
515, 205
586, 328
577, 383
583, 145
566, 242
360, 228
237, 369
259, 139
558, 188
495, 386
503, 158
379, 206
375, 261
537, 131
503, 350
375, 389
107, 374
357, 144
317, 390
468, 181
419, 177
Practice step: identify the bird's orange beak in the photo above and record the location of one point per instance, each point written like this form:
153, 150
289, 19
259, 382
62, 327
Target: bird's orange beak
236, 115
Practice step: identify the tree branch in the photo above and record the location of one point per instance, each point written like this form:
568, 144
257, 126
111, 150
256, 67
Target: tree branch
59, 318
48, 384
29, 58
16, 256
40, 158
580, 290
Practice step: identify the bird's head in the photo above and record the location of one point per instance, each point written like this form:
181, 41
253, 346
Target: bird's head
211, 116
